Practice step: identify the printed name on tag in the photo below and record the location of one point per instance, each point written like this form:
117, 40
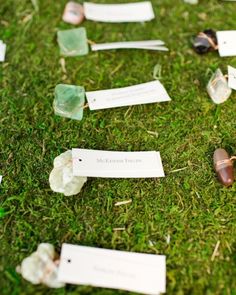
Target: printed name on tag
130, 12
143, 273
232, 77
2, 51
226, 43
149, 44
133, 95
106, 164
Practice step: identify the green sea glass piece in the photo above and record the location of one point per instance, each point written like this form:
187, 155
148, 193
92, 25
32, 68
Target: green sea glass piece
73, 42
69, 101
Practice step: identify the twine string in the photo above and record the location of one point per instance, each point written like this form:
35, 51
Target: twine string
233, 158
228, 162
85, 106
49, 268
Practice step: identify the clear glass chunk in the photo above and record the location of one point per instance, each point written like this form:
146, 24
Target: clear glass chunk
218, 88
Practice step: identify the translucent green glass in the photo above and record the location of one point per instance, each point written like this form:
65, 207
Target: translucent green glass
69, 101
73, 42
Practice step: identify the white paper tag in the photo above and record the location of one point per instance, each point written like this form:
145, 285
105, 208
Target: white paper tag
137, 272
129, 12
149, 44
2, 51
226, 43
106, 164
232, 77
133, 95
0, 179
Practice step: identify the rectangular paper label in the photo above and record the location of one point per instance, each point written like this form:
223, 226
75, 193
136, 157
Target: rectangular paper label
129, 12
137, 272
95, 163
2, 51
226, 43
133, 95
149, 44
232, 77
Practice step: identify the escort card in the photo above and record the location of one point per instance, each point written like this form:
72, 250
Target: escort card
136, 272
149, 45
226, 43
106, 164
116, 13
133, 95
232, 77
3, 48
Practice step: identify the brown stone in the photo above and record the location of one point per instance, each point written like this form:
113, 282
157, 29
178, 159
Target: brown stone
223, 167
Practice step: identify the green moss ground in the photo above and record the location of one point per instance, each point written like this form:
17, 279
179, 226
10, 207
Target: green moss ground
189, 205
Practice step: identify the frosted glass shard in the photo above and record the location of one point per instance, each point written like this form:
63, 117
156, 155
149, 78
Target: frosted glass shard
73, 42
218, 88
69, 101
